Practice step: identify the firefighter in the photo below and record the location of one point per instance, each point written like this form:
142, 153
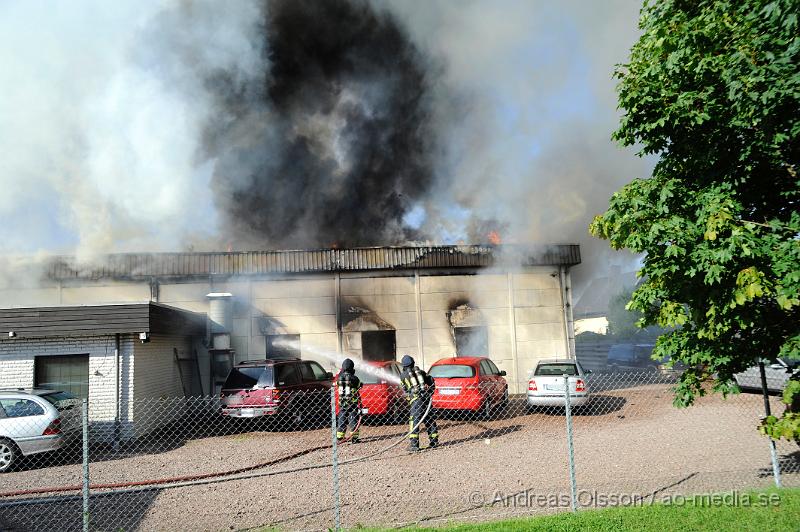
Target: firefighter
348, 387
419, 387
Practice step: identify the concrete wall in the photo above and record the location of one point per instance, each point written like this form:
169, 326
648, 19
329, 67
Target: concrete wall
84, 293
157, 389
522, 310
391, 299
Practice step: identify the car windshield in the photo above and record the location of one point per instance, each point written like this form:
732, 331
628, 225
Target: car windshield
452, 371
58, 399
556, 369
248, 377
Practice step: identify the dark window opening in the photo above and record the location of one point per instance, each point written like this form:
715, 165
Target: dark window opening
69, 373
378, 346
472, 341
283, 346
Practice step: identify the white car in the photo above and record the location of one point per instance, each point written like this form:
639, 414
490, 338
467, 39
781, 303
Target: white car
546, 383
35, 421
777, 375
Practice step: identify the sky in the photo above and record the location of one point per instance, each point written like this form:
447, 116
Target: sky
106, 106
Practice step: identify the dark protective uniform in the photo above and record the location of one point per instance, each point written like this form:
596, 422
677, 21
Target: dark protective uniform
419, 387
348, 386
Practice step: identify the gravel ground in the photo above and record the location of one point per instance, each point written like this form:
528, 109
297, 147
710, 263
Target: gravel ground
628, 443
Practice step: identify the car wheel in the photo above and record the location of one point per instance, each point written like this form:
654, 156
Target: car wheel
486, 409
298, 420
504, 401
9, 454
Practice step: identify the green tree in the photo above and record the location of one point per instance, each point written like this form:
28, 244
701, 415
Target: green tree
621, 321
712, 89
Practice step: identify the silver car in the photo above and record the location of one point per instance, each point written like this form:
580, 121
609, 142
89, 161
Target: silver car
35, 421
777, 374
546, 383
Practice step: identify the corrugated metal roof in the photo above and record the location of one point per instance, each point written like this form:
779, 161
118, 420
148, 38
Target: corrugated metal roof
133, 265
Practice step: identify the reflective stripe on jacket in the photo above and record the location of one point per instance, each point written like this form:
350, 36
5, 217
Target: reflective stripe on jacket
348, 386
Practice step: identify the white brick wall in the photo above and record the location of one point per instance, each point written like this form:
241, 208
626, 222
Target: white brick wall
16, 370
17, 366
148, 373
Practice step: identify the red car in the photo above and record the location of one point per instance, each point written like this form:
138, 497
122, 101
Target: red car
381, 396
468, 383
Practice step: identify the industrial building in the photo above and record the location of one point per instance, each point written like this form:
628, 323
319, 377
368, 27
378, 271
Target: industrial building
134, 326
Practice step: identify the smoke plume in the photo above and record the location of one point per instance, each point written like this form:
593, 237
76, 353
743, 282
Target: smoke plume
337, 145
273, 124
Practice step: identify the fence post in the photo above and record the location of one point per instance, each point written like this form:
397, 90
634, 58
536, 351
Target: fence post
336, 516
776, 467
85, 444
568, 415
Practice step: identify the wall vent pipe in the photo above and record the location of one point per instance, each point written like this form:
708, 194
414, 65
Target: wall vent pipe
220, 316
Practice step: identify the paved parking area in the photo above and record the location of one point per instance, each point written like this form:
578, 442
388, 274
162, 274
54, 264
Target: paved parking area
627, 443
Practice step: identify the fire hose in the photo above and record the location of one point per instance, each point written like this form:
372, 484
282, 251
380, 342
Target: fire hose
210, 478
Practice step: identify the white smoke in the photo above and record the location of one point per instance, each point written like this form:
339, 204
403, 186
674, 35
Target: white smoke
527, 108
102, 111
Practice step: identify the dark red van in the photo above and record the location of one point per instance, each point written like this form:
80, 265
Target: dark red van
291, 390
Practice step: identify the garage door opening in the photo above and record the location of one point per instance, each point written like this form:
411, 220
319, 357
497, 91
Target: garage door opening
69, 373
378, 346
471, 341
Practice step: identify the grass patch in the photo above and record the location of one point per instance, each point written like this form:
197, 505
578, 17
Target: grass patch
770, 509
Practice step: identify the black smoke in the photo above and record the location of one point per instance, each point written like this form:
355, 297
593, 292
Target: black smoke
331, 144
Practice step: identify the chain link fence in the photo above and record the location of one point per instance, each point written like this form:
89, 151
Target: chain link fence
271, 457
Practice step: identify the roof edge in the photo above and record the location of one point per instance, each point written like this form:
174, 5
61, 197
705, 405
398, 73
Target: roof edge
233, 263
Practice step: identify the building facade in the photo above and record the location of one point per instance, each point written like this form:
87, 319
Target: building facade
511, 304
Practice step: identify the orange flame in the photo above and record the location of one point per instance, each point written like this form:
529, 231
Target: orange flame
494, 238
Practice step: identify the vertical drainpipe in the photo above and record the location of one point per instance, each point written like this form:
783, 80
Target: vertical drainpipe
118, 413
250, 306
418, 303
566, 305
154, 289
337, 289
512, 319
570, 317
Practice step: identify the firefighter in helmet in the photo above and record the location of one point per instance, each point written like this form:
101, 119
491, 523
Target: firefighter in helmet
419, 387
348, 387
